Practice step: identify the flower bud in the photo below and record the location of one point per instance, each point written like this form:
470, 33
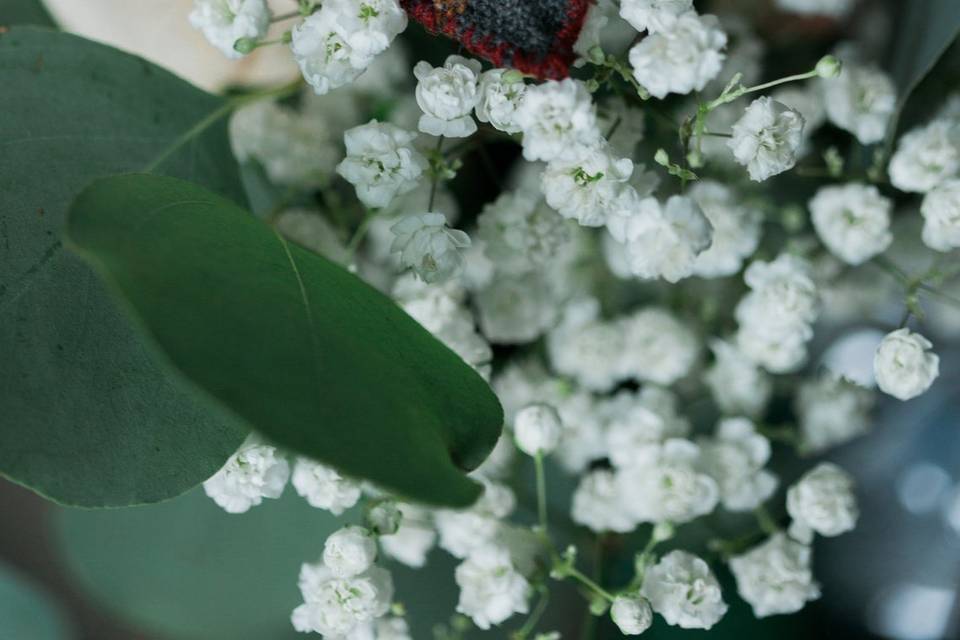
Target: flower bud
829, 67
245, 45
632, 614
537, 429
349, 552
384, 518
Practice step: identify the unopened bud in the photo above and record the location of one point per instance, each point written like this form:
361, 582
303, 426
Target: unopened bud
245, 45
829, 67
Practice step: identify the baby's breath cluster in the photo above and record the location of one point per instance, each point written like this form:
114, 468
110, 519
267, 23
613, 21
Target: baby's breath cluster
630, 278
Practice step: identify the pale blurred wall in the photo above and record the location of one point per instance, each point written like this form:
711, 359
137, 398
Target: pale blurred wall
159, 31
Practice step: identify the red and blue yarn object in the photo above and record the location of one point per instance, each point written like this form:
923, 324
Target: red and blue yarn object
533, 36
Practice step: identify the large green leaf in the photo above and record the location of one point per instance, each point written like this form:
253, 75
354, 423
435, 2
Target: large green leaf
304, 351
186, 570
925, 29
24, 12
87, 416
26, 612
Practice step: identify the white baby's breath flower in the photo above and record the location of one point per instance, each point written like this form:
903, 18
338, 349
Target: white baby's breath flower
823, 502
556, 118
323, 487
736, 230
667, 485
775, 577
684, 57
635, 421
491, 589
832, 411
662, 240
381, 163
926, 156
256, 471
599, 504
682, 588
334, 606
767, 138
657, 347
223, 22
589, 184
447, 95
655, 15
349, 551
414, 538
537, 428
904, 366
428, 246
501, 92
739, 386
735, 457
941, 216
632, 614
853, 221
862, 101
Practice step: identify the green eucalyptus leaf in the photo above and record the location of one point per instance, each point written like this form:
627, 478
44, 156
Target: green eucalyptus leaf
925, 31
26, 612
186, 570
88, 417
304, 351
24, 12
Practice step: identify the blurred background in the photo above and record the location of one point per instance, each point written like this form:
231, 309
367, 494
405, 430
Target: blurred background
184, 570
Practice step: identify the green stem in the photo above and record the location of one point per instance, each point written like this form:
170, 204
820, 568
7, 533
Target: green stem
436, 179
535, 615
360, 233
575, 573
541, 493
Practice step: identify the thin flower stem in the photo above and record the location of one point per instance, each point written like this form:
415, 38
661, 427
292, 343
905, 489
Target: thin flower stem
575, 573
361, 233
535, 615
767, 524
541, 493
286, 16
436, 179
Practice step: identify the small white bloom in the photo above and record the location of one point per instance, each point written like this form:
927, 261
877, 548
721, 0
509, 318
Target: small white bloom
556, 118
682, 58
926, 156
665, 484
521, 233
655, 15
823, 502
428, 246
941, 216
682, 588
853, 221
384, 517
223, 22
336, 44
663, 241
589, 184
635, 421
832, 411
586, 348
447, 95
775, 317
632, 614
767, 138
862, 101
735, 458
414, 538
501, 92
736, 230
599, 504
256, 471
381, 163
775, 577
323, 487
904, 366
537, 428
515, 309
491, 589
349, 551
336, 606
658, 347
739, 387
461, 532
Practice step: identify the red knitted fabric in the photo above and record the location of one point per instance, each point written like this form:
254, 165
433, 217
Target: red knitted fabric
534, 36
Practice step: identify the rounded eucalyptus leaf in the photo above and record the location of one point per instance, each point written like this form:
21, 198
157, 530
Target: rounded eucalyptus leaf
88, 417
